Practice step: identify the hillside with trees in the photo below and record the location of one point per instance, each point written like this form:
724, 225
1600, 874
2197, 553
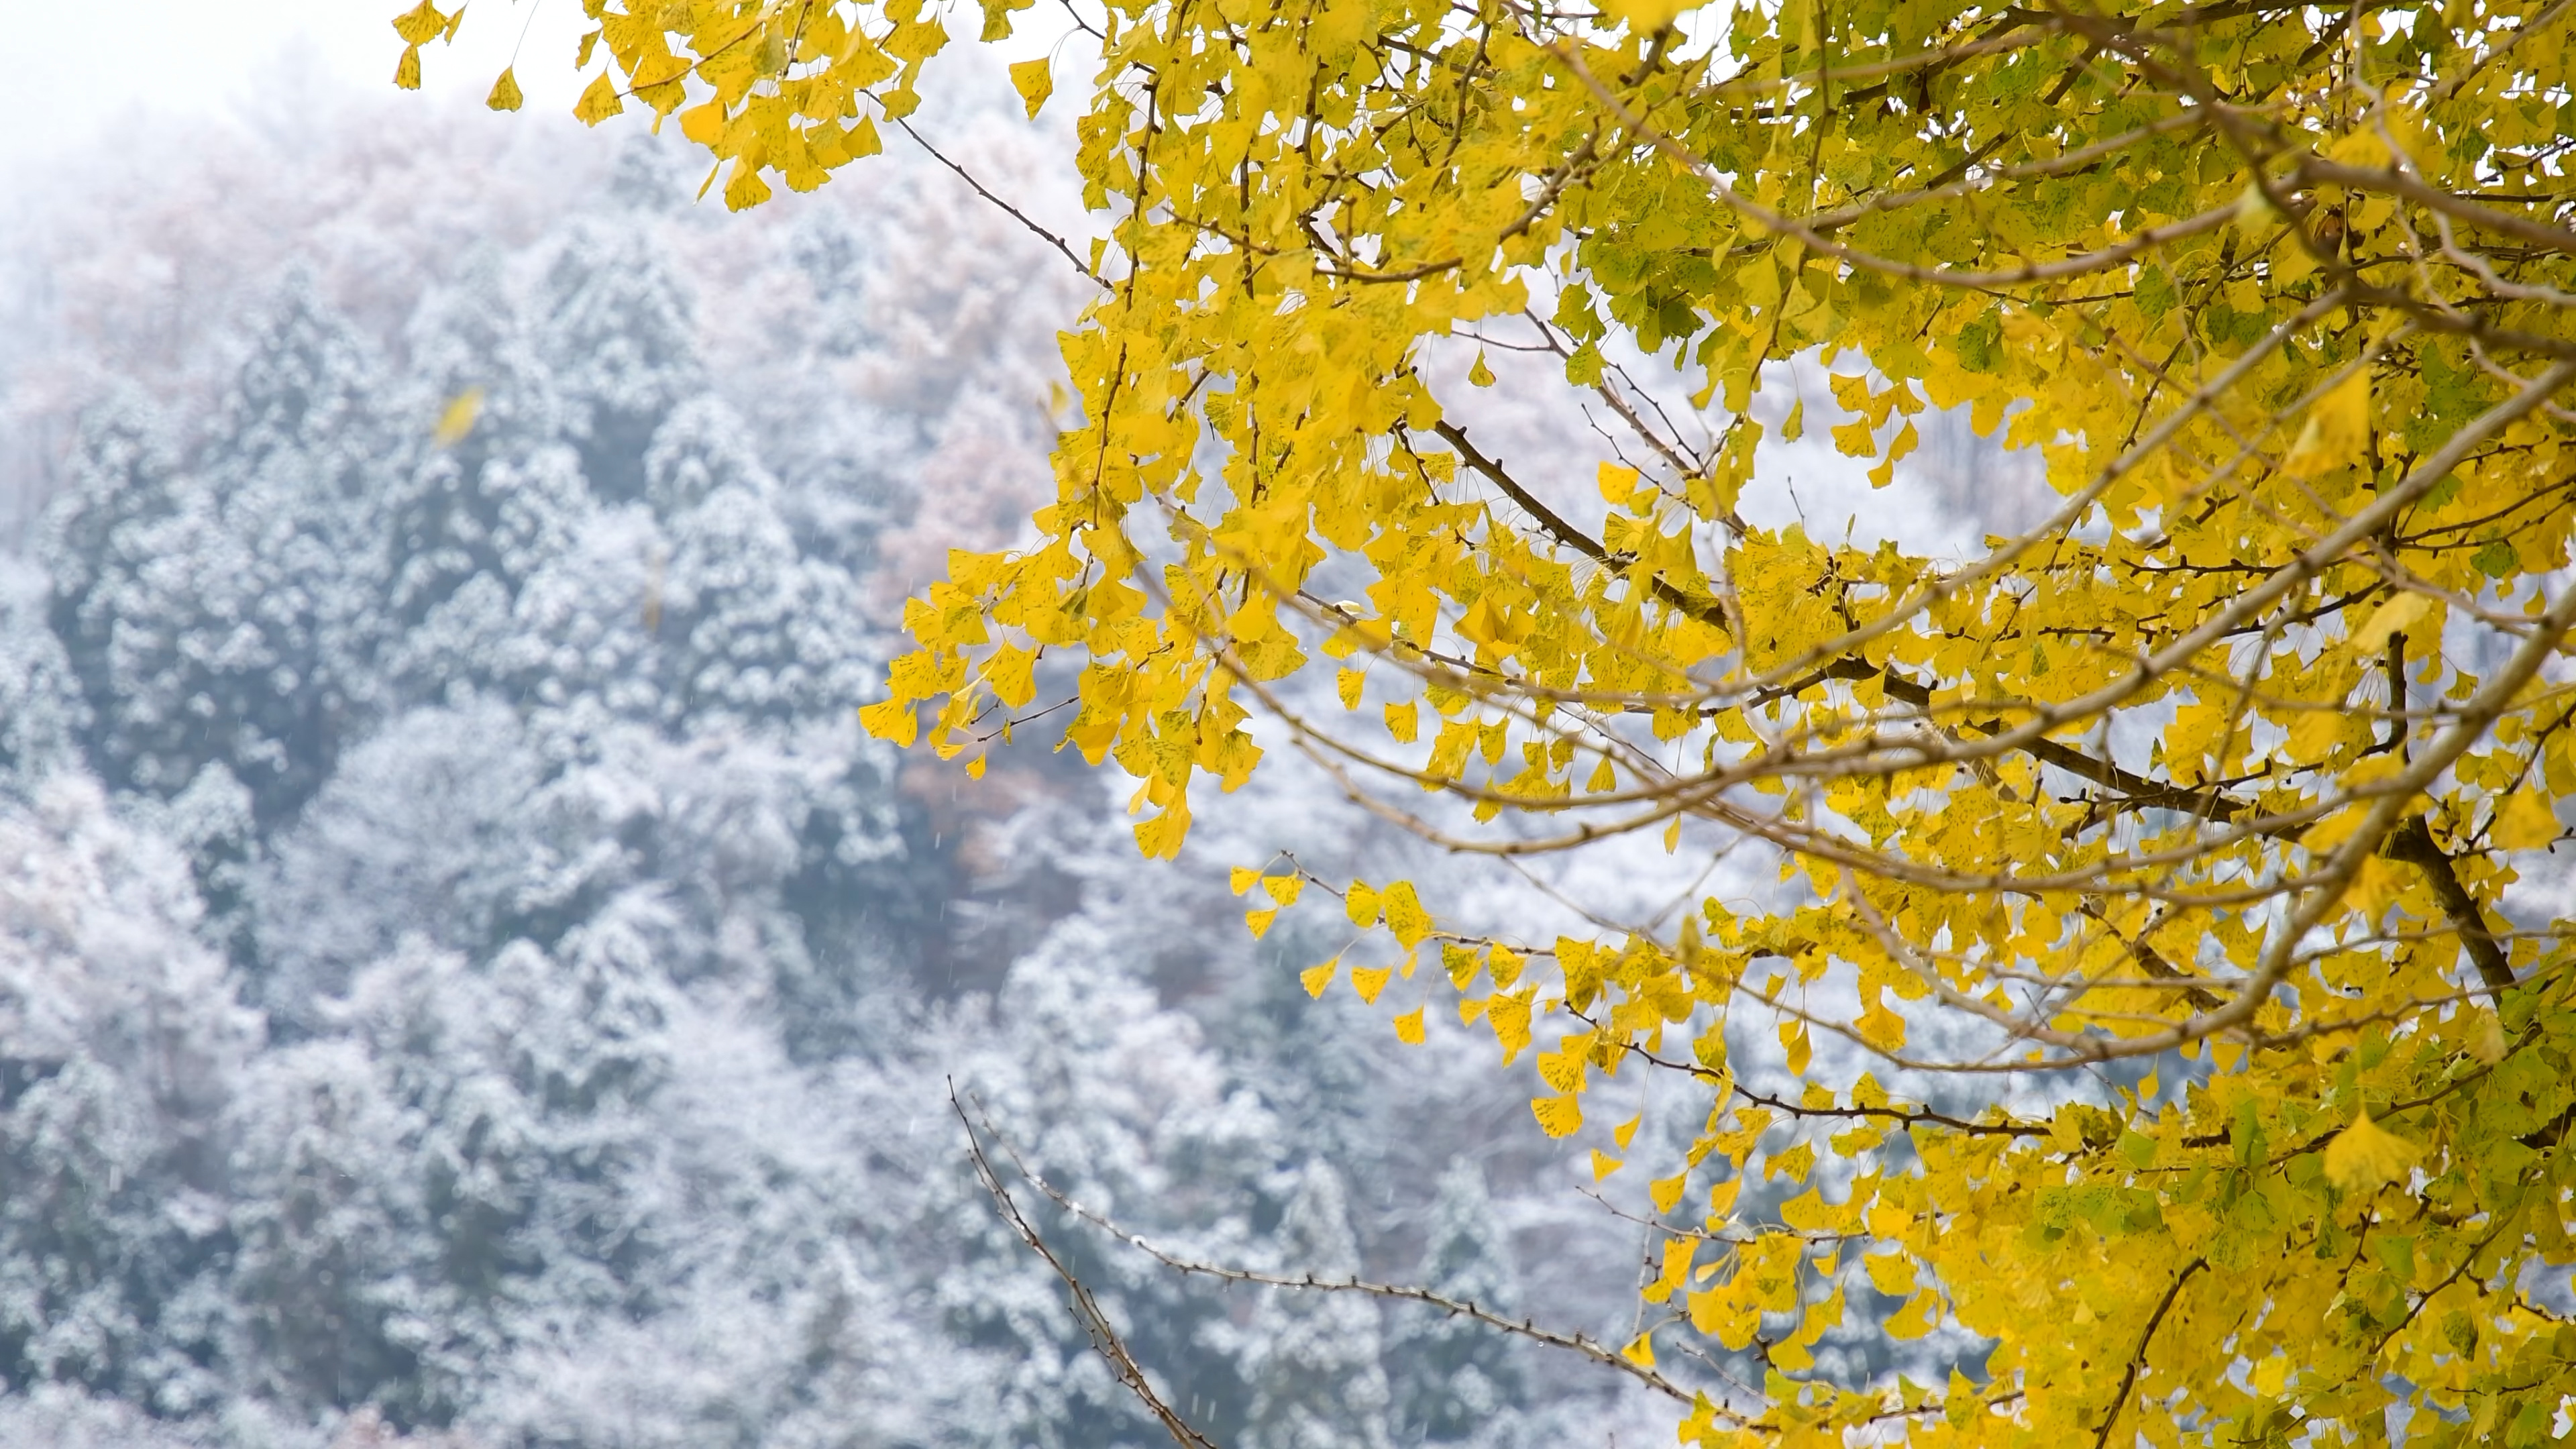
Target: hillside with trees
465, 977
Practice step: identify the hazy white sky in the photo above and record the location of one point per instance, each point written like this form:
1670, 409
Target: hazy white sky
79, 69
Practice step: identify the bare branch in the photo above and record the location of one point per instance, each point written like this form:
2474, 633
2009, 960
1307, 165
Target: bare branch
1580, 1344
1050, 238
1095, 1323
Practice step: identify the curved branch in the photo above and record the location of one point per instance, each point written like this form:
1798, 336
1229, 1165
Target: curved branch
1095, 1323
1577, 1343
2129, 1371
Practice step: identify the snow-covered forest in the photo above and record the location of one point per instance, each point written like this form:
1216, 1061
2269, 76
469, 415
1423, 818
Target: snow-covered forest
464, 978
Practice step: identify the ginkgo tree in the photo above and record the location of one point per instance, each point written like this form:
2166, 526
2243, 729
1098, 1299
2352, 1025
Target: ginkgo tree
2247, 759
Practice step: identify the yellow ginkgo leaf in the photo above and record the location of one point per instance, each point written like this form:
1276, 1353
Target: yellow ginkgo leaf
1240, 878
1890, 1273
2314, 733
418, 25
1603, 1164
997, 19
456, 419
1258, 922
1558, 1116
505, 93
1793, 1038
744, 189
1509, 1017
1666, 1192
407, 69
1035, 81
1626, 1132
2524, 821
1316, 978
2364, 1158
1642, 1352
893, 720
1480, 375
1283, 889
1405, 915
1360, 903
2337, 430
704, 124
1915, 1319
1368, 981
2487, 1040
2397, 614
1678, 1252
1708, 1311
600, 101
1644, 17
1408, 1027
1563, 1069
2255, 211
1012, 674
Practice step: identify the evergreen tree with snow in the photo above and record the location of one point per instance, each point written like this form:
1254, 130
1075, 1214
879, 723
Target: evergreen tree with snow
617, 338
121, 1048
41, 715
1455, 1380
463, 978
221, 613
1318, 1382
1118, 1104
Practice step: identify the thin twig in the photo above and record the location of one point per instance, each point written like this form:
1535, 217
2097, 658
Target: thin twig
1577, 1343
1095, 1322
1016, 214
2129, 1374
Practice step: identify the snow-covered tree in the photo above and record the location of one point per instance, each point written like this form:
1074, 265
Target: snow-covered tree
1318, 1380
121, 1046
463, 978
1119, 1104
323, 1221
41, 715
618, 343
1455, 1380
220, 612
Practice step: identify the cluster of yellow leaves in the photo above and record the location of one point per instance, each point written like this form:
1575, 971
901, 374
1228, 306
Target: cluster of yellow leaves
419, 26
2227, 766
790, 90
2218, 1262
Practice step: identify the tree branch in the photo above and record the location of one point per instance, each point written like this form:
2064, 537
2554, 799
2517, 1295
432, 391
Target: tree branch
2129, 1371
1050, 238
2413, 844
1095, 1322
1707, 611
1577, 1343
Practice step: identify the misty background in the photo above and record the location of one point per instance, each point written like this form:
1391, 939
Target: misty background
464, 978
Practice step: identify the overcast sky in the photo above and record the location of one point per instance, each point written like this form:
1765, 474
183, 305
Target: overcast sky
84, 68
